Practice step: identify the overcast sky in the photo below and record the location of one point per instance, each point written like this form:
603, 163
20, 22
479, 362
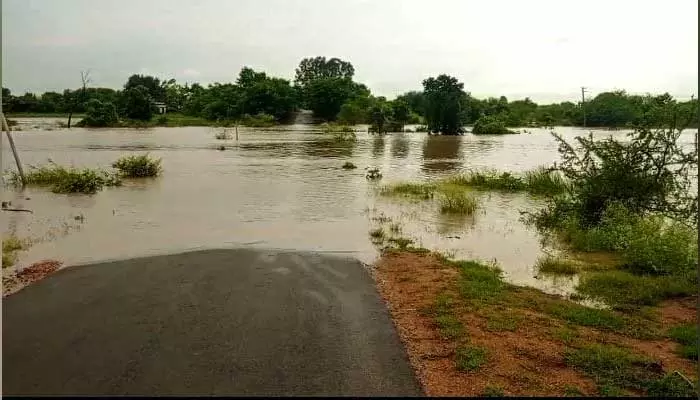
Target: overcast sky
544, 49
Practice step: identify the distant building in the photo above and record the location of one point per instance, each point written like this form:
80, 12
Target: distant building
160, 107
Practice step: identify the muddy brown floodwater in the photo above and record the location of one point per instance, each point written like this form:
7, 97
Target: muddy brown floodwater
282, 188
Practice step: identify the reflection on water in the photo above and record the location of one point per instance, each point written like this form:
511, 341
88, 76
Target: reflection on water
400, 145
442, 153
280, 188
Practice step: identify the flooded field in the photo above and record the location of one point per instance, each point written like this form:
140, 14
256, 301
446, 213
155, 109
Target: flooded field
281, 188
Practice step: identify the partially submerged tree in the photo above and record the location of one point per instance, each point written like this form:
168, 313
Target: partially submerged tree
445, 104
79, 98
137, 103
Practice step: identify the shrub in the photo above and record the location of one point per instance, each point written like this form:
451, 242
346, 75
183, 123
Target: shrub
10, 246
457, 202
657, 247
490, 125
138, 166
488, 180
162, 120
349, 165
99, 114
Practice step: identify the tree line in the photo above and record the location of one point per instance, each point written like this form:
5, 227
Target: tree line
327, 88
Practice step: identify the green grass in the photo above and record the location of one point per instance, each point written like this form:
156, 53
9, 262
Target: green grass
572, 391
587, 316
420, 190
624, 290
614, 367
444, 316
549, 265
479, 282
138, 166
687, 336
457, 202
545, 182
395, 228
501, 322
567, 335
349, 165
66, 180
489, 180
400, 242
470, 358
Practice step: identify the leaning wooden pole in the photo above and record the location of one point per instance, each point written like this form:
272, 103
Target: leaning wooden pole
6, 128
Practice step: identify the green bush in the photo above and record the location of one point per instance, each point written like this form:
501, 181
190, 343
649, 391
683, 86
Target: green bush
661, 248
490, 125
544, 181
556, 266
138, 166
489, 180
99, 114
420, 190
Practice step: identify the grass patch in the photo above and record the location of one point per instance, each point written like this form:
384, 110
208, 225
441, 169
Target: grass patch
66, 180
349, 165
566, 335
445, 319
457, 202
470, 358
587, 316
420, 190
572, 391
479, 282
545, 182
138, 166
556, 266
614, 367
489, 180
500, 323
687, 336
395, 228
624, 290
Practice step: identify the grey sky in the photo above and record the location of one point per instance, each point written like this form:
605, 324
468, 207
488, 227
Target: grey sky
545, 49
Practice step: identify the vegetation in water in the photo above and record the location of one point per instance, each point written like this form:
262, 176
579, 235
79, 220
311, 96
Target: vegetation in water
138, 166
10, 246
456, 201
490, 125
349, 165
66, 180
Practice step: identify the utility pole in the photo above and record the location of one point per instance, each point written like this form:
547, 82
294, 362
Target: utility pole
583, 104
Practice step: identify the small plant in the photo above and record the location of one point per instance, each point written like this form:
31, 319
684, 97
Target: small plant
457, 202
491, 180
395, 228
556, 266
545, 181
470, 358
162, 120
349, 165
401, 243
138, 166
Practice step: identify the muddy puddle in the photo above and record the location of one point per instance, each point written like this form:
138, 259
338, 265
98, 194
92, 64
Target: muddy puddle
281, 188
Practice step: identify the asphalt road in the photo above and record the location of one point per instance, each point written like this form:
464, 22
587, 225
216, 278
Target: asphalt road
234, 322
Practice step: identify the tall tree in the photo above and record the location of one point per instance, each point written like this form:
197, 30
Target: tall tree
311, 69
79, 98
446, 104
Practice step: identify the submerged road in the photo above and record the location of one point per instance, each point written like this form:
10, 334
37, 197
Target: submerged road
226, 322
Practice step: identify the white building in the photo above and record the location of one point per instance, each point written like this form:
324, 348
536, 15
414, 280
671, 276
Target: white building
160, 107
